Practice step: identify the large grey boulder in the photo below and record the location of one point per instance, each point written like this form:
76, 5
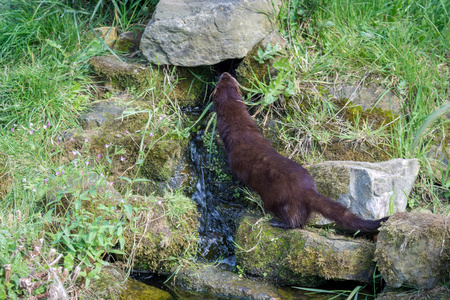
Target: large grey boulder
205, 32
413, 249
370, 190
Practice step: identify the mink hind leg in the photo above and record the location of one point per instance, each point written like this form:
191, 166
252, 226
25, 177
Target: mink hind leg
290, 216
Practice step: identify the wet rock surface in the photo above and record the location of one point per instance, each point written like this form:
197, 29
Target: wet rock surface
114, 284
135, 290
413, 250
199, 33
369, 190
301, 257
201, 277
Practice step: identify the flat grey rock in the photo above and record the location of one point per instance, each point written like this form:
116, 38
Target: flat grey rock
370, 190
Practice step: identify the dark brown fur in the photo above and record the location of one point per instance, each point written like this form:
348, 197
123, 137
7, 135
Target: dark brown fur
286, 188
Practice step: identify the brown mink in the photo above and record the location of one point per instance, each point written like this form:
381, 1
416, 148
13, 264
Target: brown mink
286, 188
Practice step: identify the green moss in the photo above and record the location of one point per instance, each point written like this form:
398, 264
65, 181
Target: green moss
301, 257
166, 232
331, 181
164, 155
140, 291
122, 74
250, 70
191, 86
268, 253
376, 116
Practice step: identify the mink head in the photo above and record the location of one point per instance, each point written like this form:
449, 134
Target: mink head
227, 88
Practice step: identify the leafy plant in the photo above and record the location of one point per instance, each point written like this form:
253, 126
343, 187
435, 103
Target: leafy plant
269, 53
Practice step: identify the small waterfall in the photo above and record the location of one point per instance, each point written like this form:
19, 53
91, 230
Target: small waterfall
218, 216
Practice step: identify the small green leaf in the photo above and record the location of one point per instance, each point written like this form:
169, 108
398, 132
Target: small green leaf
128, 210
121, 242
92, 235
68, 243
68, 261
141, 180
93, 192
116, 251
126, 178
48, 216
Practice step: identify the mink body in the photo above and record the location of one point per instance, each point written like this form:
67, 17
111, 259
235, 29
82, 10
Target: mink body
286, 188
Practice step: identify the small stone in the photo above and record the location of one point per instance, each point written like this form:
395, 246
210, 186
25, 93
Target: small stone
128, 41
107, 34
100, 114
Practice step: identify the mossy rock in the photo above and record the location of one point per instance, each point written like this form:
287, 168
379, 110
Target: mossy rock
123, 74
214, 282
162, 158
191, 87
128, 41
301, 257
136, 290
413, 250
185, 86
166, 232
114, 141
108, 286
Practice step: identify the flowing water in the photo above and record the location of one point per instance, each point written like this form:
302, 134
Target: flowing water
218, 216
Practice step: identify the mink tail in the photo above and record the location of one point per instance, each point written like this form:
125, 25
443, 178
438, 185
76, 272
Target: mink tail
341, 215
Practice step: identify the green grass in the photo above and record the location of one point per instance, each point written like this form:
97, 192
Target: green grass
44, 51
44, 86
